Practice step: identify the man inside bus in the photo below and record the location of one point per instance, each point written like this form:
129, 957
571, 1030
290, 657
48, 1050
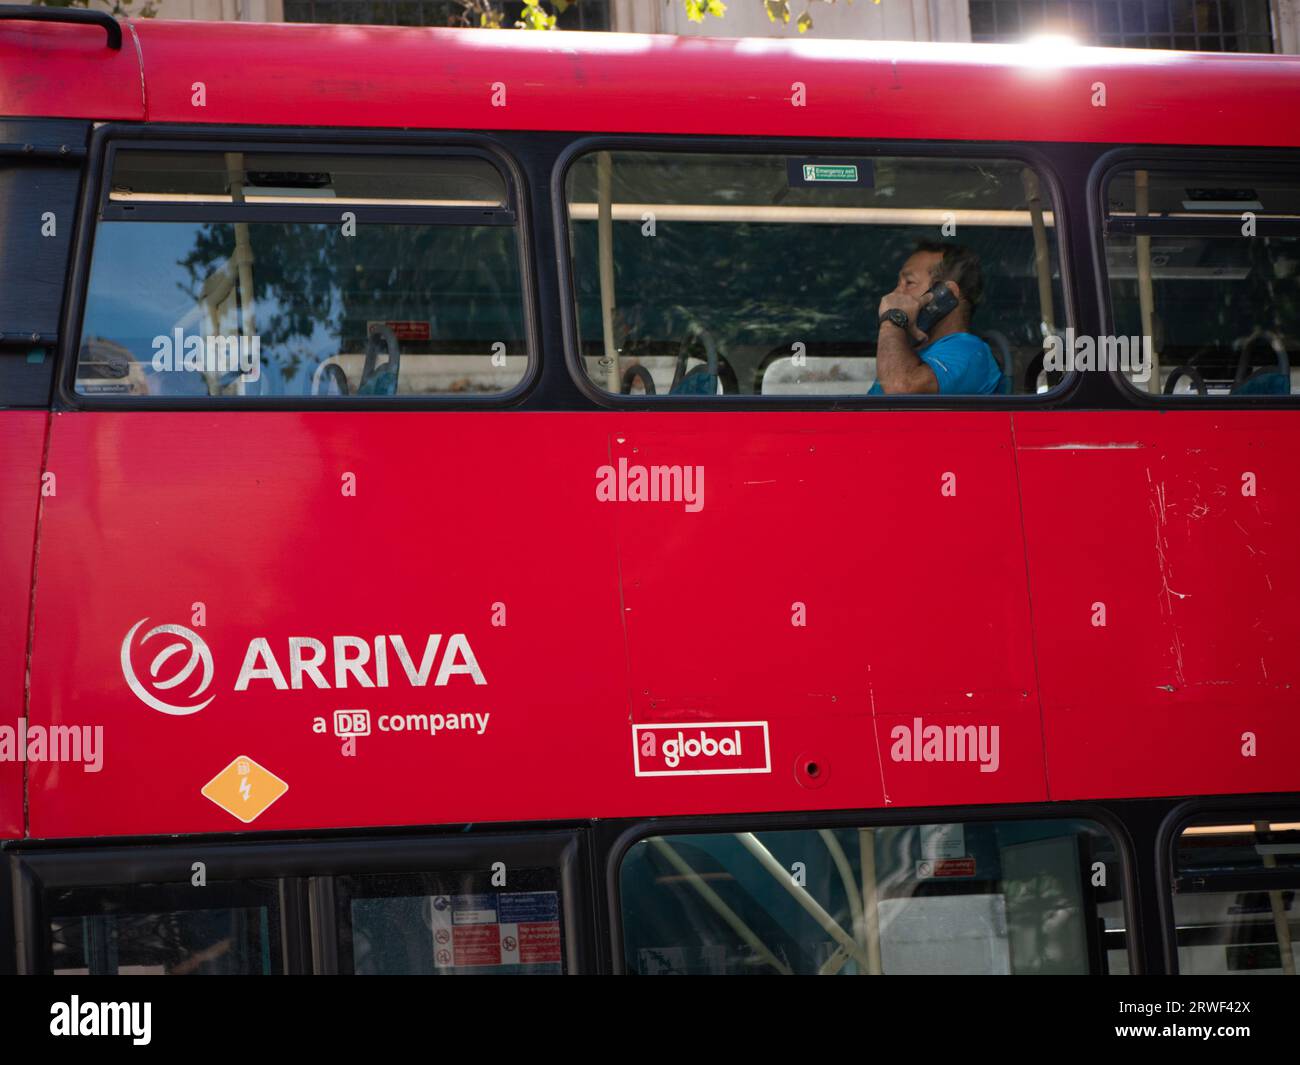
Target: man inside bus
950, 360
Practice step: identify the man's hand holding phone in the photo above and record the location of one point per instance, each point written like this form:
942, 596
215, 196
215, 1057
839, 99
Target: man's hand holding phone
910, 306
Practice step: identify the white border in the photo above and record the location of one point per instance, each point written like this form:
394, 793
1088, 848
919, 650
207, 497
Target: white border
636, 749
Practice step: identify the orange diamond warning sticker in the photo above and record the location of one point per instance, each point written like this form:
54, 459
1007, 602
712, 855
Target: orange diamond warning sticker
244, 789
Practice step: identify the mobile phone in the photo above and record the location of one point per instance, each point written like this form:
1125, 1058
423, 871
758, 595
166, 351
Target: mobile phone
942, 302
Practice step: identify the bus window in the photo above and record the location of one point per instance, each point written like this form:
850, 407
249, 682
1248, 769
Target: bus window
1235, 887
449, 923
165, 929
704, 274
1203, 271
974, 898
264, 274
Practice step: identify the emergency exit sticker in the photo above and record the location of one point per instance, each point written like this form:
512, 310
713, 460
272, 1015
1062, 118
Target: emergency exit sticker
818, 172
829, 172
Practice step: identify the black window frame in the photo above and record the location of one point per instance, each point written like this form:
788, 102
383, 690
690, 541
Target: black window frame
95, 206
304, 871
1121, 160
880, 818
45, 145
121, 868
1025, 152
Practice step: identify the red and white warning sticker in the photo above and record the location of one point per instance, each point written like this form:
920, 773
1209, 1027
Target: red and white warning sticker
496, 928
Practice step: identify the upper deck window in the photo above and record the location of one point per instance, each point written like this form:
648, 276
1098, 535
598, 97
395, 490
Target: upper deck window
1203, 268
588, 15
298, 275
1188, 25
708, 273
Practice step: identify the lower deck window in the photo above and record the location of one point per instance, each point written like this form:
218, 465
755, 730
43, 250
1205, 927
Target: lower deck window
1235, 888
438, 905
977, 898
166, 930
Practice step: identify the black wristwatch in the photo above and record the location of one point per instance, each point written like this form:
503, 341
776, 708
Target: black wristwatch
899, 318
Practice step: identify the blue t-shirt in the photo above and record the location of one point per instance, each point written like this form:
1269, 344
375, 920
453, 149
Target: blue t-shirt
963, 365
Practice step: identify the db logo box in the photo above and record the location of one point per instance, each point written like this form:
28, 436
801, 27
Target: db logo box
352, 722
693, 749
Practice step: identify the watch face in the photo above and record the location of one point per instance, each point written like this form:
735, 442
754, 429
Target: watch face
899, 318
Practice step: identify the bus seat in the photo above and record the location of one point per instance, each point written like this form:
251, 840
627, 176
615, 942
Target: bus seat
1001, 349
1194, 377
1266, 380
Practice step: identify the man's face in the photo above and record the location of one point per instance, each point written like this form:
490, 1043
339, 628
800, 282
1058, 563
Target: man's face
917, 275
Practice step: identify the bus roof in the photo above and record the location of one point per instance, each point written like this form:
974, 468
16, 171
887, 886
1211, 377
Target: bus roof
290, 74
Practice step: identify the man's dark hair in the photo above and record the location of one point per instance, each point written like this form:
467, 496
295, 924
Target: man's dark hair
959, 265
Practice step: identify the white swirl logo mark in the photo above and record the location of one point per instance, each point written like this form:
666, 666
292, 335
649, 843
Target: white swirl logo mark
198, 653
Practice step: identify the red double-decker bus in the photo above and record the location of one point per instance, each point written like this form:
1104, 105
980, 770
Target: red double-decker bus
449, 525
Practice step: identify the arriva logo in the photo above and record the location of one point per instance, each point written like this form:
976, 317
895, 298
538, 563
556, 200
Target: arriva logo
347, 661
198, 653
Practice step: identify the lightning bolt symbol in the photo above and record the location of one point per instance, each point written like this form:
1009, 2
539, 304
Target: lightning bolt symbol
243, 788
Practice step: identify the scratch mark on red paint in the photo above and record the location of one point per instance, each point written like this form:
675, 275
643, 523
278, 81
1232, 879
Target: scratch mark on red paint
1160, 512
875, 729
622, 606
1083, 447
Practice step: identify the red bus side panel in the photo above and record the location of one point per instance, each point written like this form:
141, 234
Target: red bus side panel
22, 442
639, 657
371, 76
56, 70
455, 522
1180, 527
849, 575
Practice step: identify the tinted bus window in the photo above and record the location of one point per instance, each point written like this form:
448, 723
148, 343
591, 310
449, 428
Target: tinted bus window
972, 898
306, 276
450, 923
1203, 271
1235, 897
166, 929
700, 274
